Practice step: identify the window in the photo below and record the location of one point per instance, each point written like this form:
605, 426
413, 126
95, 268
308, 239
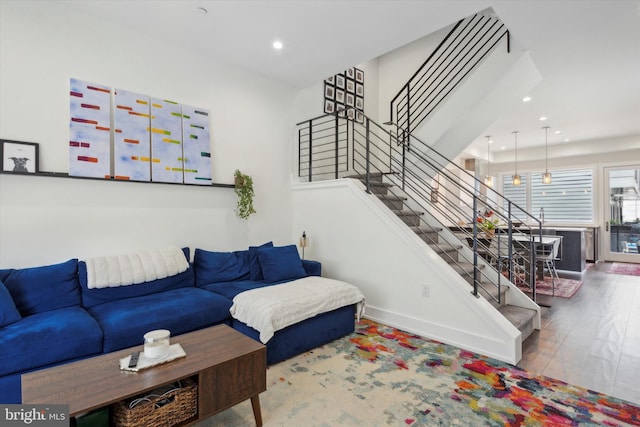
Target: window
569, 197
517, 194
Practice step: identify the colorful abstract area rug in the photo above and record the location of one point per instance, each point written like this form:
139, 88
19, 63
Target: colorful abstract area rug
380, 376
622, 268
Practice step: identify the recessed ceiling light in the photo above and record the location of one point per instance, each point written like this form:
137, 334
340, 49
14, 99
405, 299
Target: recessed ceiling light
277, 45
526, 99
567, 140
543, 118
202, 10
503, 148
558, 132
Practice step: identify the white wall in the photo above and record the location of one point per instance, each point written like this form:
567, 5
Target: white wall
42, 45
396, 68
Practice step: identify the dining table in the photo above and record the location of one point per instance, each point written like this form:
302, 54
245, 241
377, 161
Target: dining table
524, 243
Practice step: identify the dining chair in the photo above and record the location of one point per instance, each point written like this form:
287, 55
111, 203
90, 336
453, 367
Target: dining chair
546, 254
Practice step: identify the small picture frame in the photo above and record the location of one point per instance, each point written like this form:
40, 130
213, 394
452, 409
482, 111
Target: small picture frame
351, 86
329, 106
359, 75
359, 103
330, 80
340, 81
350, 73
18, 156
350, 100
329, 91
340, 96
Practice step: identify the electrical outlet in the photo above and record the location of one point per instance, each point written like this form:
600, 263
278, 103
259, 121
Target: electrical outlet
426, 291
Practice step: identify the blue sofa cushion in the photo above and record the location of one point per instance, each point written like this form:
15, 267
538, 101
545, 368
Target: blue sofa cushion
213, 267
47, 338
39, 289
281, 263
231, 289
8, 312
94, 297
313, 268
182, 310
256, 270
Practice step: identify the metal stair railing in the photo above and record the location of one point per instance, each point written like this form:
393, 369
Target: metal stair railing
431, 183
323, 147
459, 53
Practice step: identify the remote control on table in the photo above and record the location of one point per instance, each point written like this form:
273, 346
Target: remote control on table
133, 362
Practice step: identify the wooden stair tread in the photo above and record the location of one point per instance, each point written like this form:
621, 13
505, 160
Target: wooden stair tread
444, 247
405, 213
520, 317
391, 197
372, 176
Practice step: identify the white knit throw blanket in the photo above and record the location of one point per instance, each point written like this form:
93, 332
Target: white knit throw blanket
123, 270
272, 308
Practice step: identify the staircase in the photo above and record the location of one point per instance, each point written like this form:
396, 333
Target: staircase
521, 317
405, 173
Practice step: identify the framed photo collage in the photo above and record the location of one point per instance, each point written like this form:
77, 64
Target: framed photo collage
344, 94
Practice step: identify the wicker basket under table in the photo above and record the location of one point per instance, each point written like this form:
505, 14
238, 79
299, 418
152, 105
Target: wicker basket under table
168, 410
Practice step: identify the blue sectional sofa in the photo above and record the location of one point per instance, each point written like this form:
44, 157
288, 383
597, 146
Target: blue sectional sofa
230, 273
50, 316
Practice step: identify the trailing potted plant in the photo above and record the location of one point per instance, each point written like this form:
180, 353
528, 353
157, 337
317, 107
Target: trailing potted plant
487, 223
244, 190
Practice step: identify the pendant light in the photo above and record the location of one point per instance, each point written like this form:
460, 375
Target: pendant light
546, 178
515, 179
488, 180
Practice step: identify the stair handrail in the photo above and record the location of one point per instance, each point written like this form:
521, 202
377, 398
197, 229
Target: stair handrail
406, 98
389, 154
424, 64
517, 227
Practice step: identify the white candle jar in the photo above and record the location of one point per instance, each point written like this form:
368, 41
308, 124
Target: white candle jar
156, 343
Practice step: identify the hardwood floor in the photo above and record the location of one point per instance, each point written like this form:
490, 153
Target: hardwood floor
592, 339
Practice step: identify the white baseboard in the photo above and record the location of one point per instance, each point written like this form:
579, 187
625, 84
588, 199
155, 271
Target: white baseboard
462, 339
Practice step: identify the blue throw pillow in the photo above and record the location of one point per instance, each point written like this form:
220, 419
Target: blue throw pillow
214, 267
39, 289
252, 259
281, 263
8, 312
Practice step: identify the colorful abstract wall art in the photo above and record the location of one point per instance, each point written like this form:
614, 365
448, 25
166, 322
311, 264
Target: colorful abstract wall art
197, 150
89, 130
166, 141
138, 138
131, 141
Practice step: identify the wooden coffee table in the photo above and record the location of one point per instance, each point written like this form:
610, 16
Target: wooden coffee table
228, 367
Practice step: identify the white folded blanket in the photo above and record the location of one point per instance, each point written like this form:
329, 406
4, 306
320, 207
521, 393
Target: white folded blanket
272, 308
123, 270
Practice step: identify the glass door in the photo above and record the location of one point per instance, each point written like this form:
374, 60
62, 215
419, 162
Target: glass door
622, 214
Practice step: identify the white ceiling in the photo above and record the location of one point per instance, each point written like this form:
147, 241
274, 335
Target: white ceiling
588, 52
